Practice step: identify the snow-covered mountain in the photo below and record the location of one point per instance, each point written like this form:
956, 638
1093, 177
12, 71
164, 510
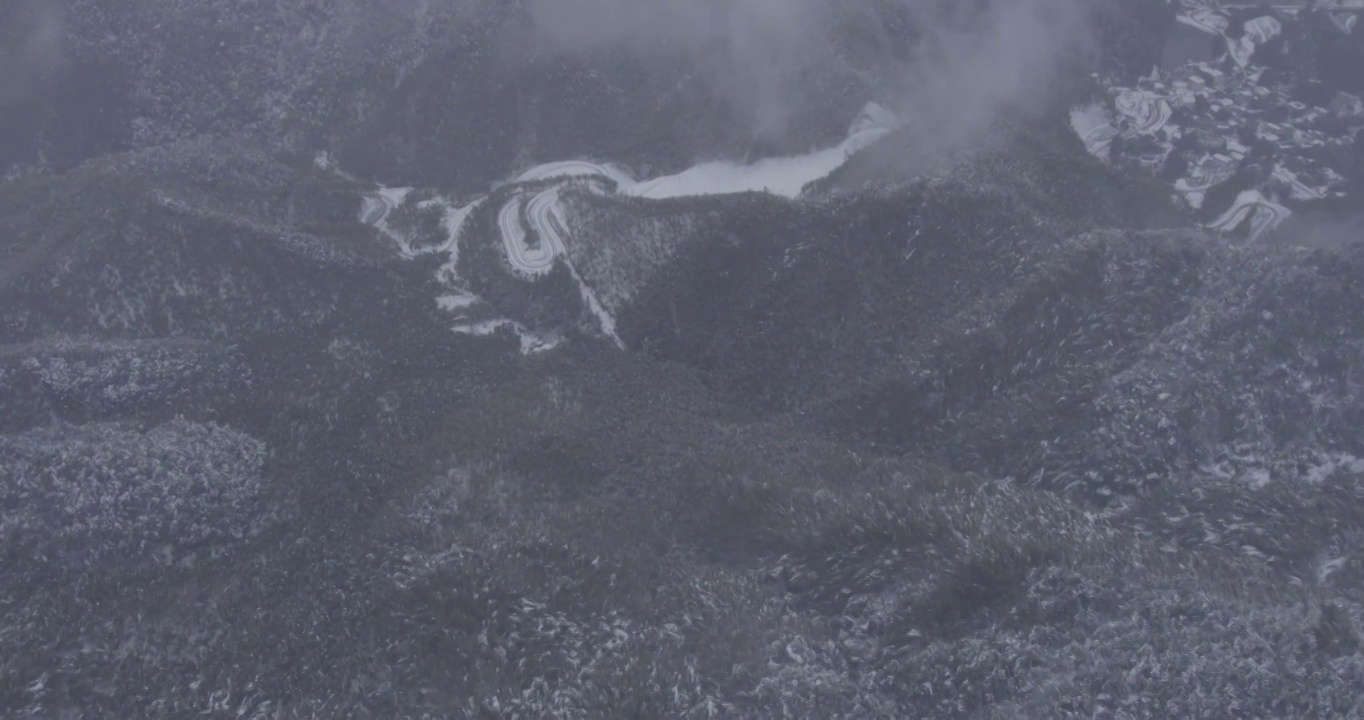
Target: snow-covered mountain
851, 360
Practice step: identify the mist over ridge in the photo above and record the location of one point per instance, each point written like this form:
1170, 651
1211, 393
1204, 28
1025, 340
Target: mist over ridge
948, 69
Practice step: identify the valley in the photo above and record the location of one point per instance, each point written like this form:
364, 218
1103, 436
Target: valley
533, 233
673, 360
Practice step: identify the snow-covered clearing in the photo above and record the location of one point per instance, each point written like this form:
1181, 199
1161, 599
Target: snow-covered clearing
374, 209
452, 303
1095, 129
779, 176
785, 176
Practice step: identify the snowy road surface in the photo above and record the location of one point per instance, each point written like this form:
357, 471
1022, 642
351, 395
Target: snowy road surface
785, 176
574, 169
542, 212
1264, 215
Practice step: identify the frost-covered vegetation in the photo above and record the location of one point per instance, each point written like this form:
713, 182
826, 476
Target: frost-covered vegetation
924, 448
619, 244
79, 379
86, 494
984, 437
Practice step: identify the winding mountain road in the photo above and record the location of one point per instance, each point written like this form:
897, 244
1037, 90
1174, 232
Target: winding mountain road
375, 208
1264, 215
575, 169
541, 212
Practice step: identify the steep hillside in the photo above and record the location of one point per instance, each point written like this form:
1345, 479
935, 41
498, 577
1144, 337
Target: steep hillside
511, 360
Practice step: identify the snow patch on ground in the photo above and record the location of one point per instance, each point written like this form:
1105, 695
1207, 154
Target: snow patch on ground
1257, 32
375, 209
1263, 29
394, 197
785, 176
1257, 478
779, 176
545, 217
604, 318
1209, 171
453, 303
1241, 50
453, 222
1330, 567
1095, 129
874, 116
1330, 463
372, 210
531, 343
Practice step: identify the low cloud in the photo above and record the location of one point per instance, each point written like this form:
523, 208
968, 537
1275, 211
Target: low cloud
965, 74
30, 49
1322, 231
950, 70
753, 51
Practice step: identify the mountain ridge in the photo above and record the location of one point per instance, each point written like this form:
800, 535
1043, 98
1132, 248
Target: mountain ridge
987, 428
